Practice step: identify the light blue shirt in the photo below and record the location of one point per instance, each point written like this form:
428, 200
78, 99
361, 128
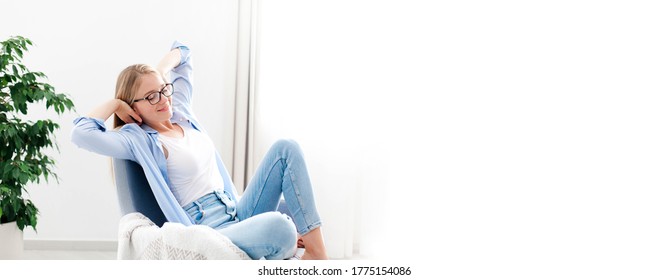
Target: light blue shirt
140, 143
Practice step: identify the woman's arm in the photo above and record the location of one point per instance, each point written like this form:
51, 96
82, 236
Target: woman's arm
91, 133
181, 76
169, 61
117, 106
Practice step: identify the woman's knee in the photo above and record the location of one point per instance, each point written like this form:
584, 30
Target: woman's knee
283, 233
287, 145
282, 225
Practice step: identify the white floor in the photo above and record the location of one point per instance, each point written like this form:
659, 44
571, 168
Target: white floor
78, 254
92, 255
68, 255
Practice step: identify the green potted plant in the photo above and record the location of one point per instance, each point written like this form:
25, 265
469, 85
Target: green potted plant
23, 141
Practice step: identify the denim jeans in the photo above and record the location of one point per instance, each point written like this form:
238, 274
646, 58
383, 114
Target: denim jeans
253, 223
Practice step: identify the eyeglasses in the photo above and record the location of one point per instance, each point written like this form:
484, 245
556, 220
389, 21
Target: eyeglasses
154, 97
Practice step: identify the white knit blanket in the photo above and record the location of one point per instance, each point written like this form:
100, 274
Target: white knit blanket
141, 239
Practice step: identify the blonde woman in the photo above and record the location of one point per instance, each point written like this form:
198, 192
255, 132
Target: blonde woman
158, 129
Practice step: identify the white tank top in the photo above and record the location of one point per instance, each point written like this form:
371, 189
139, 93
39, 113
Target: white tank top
191, 165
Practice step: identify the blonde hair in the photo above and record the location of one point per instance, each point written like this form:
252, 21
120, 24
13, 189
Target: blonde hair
128, 83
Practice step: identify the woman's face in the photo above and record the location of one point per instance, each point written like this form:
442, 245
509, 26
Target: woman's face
152, 113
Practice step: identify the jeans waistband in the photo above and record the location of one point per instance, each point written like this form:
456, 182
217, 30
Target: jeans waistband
215, 195
215, 209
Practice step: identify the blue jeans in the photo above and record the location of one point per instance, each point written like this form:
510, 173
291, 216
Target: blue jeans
253, 223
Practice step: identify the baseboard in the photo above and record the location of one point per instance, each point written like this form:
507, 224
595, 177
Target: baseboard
70, 245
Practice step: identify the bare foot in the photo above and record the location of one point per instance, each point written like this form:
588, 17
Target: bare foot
314, 247
311, 256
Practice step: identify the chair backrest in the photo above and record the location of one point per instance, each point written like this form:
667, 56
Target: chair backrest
134, 192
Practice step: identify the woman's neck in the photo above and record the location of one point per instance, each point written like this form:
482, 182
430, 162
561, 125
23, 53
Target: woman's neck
168, 128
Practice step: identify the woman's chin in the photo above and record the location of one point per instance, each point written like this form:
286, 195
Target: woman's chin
161, 116
167, 113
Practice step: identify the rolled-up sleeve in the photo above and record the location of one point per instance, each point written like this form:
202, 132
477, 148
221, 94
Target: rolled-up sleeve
91, 134
181, 76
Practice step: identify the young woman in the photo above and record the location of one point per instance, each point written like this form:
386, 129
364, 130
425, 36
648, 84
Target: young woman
159, 130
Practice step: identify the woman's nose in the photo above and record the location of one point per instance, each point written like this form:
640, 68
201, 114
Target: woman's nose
163, 99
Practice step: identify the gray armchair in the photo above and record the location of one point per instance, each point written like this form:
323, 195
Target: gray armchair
135, 195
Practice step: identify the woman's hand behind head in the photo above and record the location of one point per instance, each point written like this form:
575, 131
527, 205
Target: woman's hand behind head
126, 113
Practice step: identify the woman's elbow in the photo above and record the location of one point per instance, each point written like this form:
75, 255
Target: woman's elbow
78, 137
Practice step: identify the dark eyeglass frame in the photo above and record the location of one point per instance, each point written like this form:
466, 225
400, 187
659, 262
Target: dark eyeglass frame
160, 94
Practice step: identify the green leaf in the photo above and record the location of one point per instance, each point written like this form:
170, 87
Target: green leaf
33, 221
23, 178
15, 172
16, 206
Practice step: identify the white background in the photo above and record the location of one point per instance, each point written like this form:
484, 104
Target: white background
503, 138
483, 137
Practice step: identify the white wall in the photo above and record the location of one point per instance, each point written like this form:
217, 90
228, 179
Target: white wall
338, 78
480, 137
82, 46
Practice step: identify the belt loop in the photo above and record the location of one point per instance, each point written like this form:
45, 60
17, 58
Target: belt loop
199, 208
